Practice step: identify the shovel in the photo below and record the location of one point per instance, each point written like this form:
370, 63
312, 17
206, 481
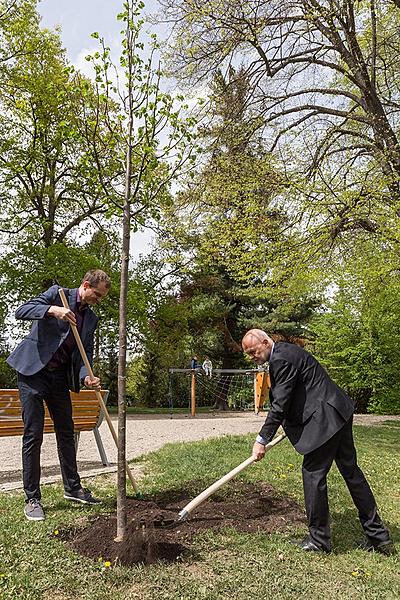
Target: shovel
98, 395
184, 513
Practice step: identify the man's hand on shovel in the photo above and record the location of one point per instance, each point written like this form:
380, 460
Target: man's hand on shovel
93, 383
62, 313
258, 451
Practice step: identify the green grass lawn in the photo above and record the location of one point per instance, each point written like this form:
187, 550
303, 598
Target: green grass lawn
34, 564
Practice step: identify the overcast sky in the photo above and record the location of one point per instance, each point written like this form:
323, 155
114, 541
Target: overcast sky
78, 19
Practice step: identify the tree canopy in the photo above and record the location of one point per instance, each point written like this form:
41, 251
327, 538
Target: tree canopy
280, 209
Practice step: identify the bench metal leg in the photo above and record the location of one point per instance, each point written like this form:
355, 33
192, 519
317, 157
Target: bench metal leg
76, 436
100, 447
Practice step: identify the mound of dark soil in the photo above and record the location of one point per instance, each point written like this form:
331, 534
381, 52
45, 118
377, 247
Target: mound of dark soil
154, 533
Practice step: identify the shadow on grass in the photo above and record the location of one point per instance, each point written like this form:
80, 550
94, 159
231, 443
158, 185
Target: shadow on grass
107, 505
53, 470
347, 532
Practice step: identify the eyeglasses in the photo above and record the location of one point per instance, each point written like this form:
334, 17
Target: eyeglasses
98, 294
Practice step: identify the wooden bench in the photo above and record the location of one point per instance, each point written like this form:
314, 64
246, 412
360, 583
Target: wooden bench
86, 413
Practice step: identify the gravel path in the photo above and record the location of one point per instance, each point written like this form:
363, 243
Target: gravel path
145, 433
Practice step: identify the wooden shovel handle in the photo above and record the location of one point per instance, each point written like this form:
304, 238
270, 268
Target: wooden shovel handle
215, 486
98, 394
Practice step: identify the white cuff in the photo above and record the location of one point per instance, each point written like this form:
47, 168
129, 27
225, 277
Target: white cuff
261, 440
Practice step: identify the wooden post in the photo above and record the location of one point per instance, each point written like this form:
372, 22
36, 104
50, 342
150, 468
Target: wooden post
261, 387
255, 394
193, 395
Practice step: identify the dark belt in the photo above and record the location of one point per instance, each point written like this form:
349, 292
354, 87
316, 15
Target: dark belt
63, 367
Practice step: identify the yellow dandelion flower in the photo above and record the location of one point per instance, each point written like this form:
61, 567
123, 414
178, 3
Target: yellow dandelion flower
107, 563
56, 532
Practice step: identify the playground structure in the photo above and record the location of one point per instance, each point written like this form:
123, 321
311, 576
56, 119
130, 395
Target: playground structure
225, 377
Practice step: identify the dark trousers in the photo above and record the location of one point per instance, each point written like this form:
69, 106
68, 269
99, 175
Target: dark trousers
51, 387
316, 465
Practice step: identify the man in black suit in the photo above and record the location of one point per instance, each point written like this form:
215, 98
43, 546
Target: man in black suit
317, 417
49, 364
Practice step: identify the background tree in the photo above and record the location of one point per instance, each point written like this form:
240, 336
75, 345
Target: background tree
17, 19
51, 192
357, 335
325, 92
219, 235
323, 88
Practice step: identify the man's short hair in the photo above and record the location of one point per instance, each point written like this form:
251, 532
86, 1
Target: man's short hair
96, 276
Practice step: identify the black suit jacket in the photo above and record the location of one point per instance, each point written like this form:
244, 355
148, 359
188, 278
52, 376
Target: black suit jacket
47, 334
304, 399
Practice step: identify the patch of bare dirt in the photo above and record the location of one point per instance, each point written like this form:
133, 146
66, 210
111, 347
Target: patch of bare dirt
154, 532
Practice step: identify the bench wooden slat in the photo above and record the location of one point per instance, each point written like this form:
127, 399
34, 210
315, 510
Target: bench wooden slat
17, 431
11, 411
86, 412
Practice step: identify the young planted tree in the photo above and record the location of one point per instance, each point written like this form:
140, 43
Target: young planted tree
153, 143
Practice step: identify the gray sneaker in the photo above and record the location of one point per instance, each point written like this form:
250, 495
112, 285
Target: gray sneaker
84, 496
33, 510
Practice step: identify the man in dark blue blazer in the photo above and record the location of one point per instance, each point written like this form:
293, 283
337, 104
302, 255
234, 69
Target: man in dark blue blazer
49, 365
317, 417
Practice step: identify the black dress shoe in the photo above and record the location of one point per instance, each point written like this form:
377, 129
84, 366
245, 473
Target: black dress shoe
308, 545
387, 547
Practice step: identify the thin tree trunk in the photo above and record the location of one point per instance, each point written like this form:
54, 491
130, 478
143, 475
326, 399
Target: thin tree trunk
126, 234
121, 494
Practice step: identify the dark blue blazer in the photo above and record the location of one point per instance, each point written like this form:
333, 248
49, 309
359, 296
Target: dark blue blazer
48, 333
304, 399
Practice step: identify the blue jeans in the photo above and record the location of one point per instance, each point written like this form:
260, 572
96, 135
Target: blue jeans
51, 387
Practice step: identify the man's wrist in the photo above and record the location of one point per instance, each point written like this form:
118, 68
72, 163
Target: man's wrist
261, 440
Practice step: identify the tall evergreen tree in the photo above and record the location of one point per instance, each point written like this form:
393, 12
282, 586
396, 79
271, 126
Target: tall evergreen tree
223, 235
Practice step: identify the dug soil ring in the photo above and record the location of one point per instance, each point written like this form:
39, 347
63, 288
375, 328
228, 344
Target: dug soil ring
154, 533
